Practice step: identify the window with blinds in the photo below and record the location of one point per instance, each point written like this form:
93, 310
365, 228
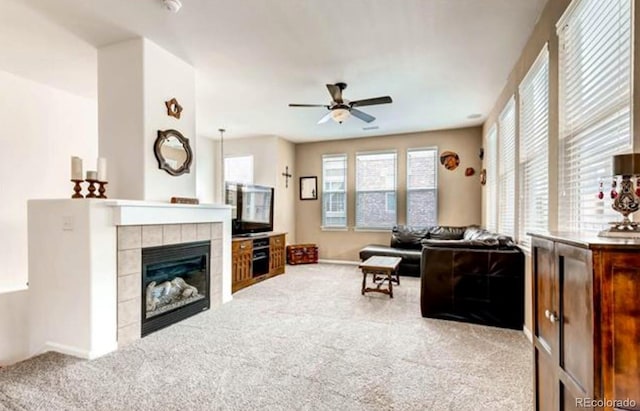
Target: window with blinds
422, 184
239, 169
534, 149
595, 107
376, 190
334, 190
507, 170
491, 193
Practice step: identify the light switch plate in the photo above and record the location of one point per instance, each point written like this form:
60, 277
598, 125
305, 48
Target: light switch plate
67, 223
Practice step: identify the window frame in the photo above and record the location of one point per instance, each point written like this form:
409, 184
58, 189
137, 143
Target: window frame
583, 121
435, 187
324, 211
236, 156
534, 148
379, 227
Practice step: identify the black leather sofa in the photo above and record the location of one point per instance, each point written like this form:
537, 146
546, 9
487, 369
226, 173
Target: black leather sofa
467, 273
405, 243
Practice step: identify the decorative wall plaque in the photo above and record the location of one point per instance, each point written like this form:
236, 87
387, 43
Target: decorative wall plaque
173, 108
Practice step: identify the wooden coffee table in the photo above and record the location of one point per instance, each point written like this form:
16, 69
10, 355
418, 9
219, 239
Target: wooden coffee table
382, 269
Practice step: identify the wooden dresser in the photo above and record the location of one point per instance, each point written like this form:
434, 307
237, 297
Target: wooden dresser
586, 326
256, 258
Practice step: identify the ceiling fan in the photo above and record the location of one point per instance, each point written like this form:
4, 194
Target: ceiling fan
340, 109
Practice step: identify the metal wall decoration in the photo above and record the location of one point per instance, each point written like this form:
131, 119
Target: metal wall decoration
483, 176
173, 152
287, 175
469, 172
174, 109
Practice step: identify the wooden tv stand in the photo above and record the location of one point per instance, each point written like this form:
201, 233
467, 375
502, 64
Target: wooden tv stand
256, 258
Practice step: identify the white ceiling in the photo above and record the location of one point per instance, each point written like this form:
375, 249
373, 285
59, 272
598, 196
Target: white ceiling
440, 60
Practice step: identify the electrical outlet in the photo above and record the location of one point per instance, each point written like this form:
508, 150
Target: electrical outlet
67, 223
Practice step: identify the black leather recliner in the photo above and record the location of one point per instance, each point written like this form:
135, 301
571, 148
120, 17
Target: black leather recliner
467, 273
478, 278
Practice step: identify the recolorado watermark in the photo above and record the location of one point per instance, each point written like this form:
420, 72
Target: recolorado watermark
592, 402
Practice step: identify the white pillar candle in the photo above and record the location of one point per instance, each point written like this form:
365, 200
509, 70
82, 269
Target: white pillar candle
92, 175
76, 168
102, 169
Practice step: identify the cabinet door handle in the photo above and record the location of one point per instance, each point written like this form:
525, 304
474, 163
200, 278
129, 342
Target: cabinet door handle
243, 246
551, 316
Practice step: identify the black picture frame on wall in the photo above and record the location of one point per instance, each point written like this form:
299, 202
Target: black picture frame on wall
309, 188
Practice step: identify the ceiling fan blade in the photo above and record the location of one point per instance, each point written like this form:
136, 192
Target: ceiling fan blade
308, 105
326, 118
362, 115
336, 93
371, 101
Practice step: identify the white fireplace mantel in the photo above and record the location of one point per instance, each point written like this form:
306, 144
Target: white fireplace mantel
132, 212
73, 267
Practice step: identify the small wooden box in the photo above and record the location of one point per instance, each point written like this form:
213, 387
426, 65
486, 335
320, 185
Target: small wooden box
302, 254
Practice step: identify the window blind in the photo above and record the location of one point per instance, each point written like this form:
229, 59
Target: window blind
239, 169
595, 107
507, 170
491, 193
534, 149
376, 190
422, 184
334, 190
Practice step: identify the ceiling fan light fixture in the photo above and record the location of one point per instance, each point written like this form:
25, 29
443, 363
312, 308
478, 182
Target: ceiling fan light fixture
340, 114
172, 5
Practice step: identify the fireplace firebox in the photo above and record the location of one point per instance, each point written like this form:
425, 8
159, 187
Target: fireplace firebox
175, 283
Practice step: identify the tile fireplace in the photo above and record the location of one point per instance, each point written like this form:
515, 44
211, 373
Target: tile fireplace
91, 293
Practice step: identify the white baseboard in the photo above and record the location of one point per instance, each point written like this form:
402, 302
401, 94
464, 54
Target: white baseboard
527, 333
77, 352
344, 262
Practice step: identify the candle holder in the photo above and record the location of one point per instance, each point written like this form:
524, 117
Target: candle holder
92, 188
102, 189
626, 200
77, 188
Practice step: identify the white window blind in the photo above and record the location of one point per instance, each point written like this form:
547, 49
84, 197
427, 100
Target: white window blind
534, 149
422, 185
334, 190
507, 170
376, 190
491, 193
238, 169
595, 104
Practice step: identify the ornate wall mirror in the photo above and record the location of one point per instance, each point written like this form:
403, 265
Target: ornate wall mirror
173, 152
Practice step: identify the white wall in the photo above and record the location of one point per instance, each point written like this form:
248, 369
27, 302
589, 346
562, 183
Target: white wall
121, 109
48, 111
206, 170
166, 77
136, 77
265, 153
284, 213
14, 326
270, 157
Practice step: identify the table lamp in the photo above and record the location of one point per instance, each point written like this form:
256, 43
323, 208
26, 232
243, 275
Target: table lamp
626, 200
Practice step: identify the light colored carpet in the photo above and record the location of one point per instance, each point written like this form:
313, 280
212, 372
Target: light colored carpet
306, 340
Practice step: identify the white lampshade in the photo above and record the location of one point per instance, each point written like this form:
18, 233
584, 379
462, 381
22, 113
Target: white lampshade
340, 114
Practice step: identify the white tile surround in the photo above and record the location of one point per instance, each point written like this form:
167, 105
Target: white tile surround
131, 241
85, 263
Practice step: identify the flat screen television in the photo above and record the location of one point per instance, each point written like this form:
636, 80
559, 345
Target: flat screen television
253, 208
